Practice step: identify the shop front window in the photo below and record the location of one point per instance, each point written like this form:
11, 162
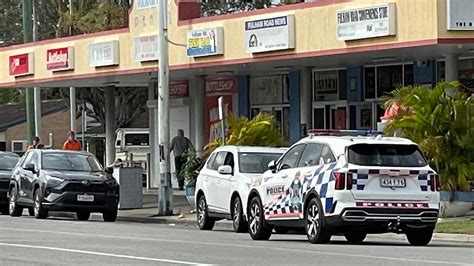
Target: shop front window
325, 84
370, 83
388, 79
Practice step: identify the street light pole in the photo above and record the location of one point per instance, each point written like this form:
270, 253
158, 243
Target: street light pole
27, 37
165, 193
37, 90
72, 90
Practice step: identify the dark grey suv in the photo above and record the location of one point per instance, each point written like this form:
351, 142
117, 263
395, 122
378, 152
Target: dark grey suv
52, 180
7, 163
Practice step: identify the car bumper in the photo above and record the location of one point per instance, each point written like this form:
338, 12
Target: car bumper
68, 201
382, 220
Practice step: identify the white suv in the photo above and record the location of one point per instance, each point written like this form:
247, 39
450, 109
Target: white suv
223, 184
351, 185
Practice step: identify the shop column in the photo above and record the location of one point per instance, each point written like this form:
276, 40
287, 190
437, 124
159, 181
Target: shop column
197, 109
295, 115
109, 125
305, 100
452, 67
152, 105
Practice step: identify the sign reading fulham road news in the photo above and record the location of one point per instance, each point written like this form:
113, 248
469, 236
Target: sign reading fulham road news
368, 22
60, 59
205, 42
21, 65
270, 34
104, 54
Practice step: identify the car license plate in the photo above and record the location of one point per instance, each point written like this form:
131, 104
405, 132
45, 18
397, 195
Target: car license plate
86, 198
392, 182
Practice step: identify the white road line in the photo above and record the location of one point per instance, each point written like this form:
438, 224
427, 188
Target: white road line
243, 246
100, 254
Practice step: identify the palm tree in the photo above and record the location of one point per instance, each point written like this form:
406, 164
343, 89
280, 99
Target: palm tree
441, 121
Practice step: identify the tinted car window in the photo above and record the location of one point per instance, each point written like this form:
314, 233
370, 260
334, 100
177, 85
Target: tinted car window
219, 161
70, 162
137, 139
386, 155
211, 160
311, 155
290, 159
326, 155
27, 159
8, 162
256, 163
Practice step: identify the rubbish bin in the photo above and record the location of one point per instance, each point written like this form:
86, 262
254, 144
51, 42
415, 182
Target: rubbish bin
131, 192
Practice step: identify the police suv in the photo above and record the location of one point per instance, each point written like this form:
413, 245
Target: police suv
350, 183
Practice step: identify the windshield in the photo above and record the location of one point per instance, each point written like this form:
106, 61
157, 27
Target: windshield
386, 155
71, 162
136, 139
256, 163
8, 162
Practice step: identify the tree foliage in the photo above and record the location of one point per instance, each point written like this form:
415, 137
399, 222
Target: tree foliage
441, 121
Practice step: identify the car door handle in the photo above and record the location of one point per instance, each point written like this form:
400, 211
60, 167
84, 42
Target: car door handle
284, 176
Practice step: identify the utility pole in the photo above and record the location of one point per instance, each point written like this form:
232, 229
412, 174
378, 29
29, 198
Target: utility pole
27, 37
72, 90
37, 90
165, 193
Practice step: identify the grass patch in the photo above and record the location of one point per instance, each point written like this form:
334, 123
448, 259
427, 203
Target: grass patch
456, 227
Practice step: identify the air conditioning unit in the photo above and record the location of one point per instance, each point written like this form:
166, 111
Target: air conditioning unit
19, 146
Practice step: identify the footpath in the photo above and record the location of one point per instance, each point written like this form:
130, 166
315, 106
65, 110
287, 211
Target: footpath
185, 216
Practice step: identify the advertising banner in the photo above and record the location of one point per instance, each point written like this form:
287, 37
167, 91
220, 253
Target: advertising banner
21, 65
60, 59
205, 42
104, 54
146, 48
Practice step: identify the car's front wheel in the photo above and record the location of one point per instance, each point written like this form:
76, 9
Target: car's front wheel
31, 211
110, 215
39, 211
355, 237
258, 230
420, 237
314, 217
83, 215
237, 216
203, 220
13, 208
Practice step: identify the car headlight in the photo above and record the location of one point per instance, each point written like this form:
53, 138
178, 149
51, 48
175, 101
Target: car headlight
54, 179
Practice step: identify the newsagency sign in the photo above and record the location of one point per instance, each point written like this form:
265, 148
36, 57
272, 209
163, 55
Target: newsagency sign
460, 14
205, 42
270, 34
369, 22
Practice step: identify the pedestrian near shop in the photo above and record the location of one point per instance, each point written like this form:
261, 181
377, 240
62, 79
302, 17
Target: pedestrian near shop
179, 146
36, 144
72, 144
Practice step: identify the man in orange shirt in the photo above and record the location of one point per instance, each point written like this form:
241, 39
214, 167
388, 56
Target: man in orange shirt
71, 143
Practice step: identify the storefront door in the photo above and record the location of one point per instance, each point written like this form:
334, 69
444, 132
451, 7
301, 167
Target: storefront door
330, 116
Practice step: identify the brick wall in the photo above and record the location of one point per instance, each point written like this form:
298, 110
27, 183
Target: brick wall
57, 123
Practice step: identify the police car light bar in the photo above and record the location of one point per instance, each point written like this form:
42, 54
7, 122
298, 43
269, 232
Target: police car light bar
336, 132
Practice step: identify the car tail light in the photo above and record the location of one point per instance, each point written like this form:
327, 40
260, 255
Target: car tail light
340, 181
435, 184
349, 181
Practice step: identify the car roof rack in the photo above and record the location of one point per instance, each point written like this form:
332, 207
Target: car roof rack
340, 133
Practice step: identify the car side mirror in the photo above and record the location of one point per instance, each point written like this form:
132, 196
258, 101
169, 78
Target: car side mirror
225, 170
272, 166
30, 167
109, 170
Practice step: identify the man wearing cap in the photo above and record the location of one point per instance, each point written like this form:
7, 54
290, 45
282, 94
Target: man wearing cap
71, 143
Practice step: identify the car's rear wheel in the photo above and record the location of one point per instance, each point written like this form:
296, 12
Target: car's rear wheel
13, 208
110, 215
203, 220
83, 215
39, 211
419, 237
314, 218
355, 237
237, 216
258, 230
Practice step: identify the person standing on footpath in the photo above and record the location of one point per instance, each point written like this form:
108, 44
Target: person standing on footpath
179, 146
71, 143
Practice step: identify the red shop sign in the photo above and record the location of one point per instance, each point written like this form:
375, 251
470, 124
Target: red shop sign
176, 90
21, 65
221, 85
60, 59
